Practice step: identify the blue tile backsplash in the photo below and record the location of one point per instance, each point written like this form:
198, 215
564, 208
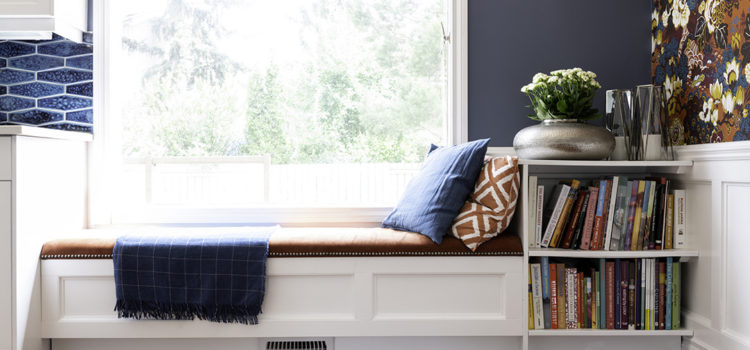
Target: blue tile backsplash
47, 83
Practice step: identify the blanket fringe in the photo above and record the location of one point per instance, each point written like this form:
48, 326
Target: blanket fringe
159, 311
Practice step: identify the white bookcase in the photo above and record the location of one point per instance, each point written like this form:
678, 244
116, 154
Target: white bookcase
550, 172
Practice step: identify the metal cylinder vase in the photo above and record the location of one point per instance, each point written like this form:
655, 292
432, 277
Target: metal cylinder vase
564, 139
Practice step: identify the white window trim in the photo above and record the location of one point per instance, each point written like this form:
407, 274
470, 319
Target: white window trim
100, 211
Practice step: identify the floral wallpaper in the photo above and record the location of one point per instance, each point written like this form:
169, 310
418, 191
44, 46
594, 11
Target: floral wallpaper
701, 55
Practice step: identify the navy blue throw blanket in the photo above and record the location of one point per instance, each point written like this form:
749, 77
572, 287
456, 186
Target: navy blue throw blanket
215, 277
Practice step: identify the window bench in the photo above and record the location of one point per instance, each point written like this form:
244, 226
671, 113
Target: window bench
334, 282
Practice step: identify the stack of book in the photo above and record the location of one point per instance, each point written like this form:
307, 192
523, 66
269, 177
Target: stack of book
633, 294
614, 213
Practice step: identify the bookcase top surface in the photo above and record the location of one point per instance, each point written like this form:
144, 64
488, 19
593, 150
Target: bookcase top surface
612, 254
607, 163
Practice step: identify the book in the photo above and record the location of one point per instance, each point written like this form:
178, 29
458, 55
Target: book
624, 280
596, 303
668, 300
675, 295
664, 215
631, 213
553, 296
668, 239
589, 298
657, 296
656, 217
546, 293
532, 186
588, 225
602, 294
647, 296
580, 300
640, 278
560, 195
601, 215
631, 295
620, 214
648, 236
643, 229
612, 200
660, 213
536, 292
617, 292
531, 303
662, 293
610, 295
576, 244
561, 298
575, 214
679, 219
539, 218
637, 216
571, 283
565, 214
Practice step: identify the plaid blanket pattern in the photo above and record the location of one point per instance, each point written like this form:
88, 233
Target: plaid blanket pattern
216, 277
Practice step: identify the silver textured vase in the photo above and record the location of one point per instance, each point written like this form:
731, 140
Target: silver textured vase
563, 139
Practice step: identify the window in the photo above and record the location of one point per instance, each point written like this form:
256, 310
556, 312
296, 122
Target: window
268, 111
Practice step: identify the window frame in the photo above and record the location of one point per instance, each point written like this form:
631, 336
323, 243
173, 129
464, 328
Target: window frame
101, 167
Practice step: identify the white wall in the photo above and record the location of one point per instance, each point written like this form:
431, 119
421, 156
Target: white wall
716, 284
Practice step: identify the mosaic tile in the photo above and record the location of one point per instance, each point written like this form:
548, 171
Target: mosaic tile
36, 89
35, 117
85, 89
64, 48
3, 63
12, 103
84, 116
3, 90
65, 76
36, 62
64, 102
3, 117
69, 127
83, 62
11, 76
13, 49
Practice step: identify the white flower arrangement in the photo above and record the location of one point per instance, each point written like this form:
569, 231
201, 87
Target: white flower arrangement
563, 94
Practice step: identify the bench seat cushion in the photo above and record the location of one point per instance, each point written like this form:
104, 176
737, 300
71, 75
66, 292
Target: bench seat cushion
319, 242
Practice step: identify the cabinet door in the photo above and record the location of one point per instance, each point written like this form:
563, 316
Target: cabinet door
5, 266
5, 157
26, 7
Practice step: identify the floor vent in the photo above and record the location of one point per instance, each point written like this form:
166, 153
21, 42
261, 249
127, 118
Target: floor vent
297, 344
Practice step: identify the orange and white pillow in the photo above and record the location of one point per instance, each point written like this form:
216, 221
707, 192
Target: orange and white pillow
490, 208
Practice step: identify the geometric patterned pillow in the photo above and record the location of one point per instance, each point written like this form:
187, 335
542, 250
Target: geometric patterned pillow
490, 208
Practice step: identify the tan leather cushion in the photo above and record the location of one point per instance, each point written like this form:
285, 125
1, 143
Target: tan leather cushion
318, 242
490, 208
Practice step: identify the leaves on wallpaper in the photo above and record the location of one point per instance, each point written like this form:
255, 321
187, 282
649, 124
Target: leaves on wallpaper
720, 35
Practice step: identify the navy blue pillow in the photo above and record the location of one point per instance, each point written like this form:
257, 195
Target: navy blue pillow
434, 196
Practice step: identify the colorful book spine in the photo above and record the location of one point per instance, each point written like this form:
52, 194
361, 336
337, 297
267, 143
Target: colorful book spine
603, 294
575, 213
620, 219
612, 203
553, 296
669, 239
637, 215
546, 293
561, 297
631, 213
662, 293
631, 295
668, 301
531, 303
565, 214
588, 226
596, 302
571, 282
610, 295
657, 296
599, 220
589, 300
580, 299
642, 306
676, 295
616, 290
664, 214
576, 244
649, 235
643, 228
536, 291
624, 278
679, 219
539, 215
558, 207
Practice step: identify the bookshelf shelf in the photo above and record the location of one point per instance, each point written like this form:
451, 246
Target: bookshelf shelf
606, 332
599, 166
627, 254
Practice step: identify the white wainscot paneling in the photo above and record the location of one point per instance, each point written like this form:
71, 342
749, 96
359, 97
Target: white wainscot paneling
696, 286
300, 297
736, 260
439, 296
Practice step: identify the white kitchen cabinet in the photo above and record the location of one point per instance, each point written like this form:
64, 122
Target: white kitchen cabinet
42, 196
37, 19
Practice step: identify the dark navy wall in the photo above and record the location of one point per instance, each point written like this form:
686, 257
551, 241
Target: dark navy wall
511, 40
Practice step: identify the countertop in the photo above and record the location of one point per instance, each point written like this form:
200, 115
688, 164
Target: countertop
32, 131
